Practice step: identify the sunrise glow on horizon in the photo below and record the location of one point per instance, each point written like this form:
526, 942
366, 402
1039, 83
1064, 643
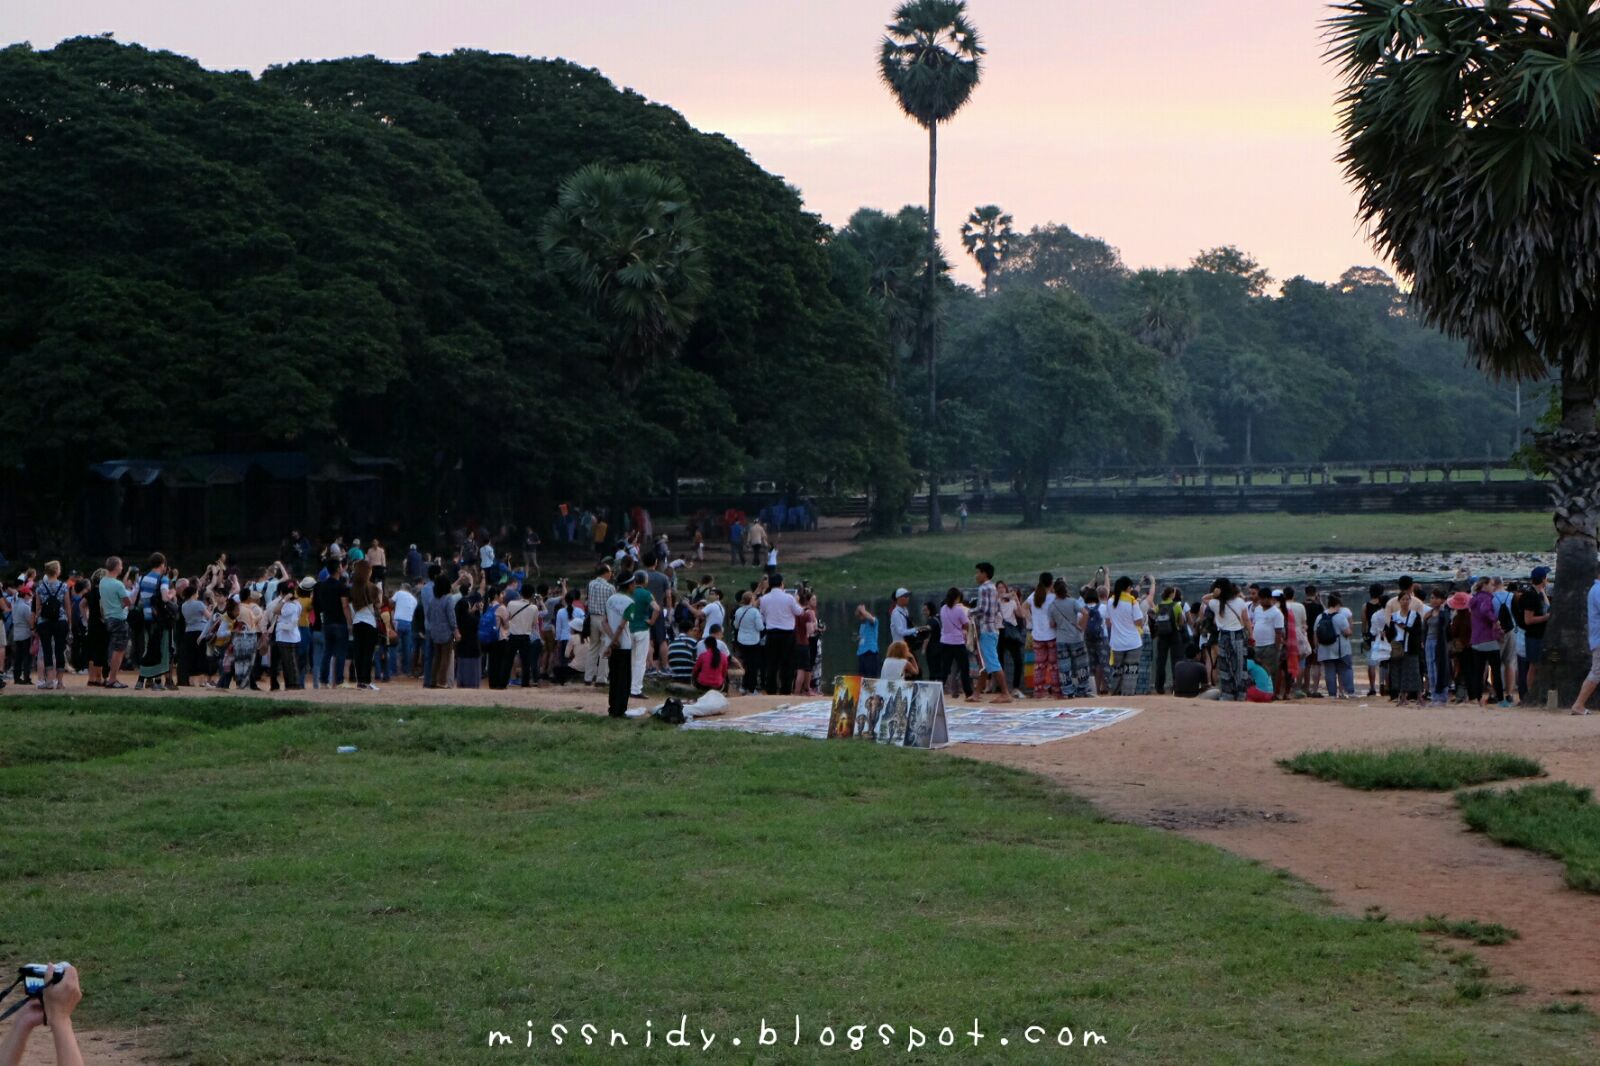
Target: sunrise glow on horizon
1180, 125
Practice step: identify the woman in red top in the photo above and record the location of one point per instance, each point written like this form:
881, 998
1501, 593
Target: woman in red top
711, 668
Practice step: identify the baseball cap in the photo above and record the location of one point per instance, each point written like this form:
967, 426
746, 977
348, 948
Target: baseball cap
1540, 573
901, 592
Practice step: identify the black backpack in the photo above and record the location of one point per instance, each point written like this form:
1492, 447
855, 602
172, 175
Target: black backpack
1327, 636
1166, 622
671, 712
52, 607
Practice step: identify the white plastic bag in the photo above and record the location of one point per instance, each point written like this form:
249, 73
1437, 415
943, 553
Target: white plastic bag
707, 706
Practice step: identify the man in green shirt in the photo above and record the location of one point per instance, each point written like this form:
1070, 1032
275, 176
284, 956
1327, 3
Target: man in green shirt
641, 616
114, 597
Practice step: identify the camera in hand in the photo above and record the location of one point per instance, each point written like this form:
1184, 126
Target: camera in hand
34, 977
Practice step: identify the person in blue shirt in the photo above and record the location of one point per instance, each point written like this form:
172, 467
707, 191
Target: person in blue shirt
1261, 690
1592, 682
866, 641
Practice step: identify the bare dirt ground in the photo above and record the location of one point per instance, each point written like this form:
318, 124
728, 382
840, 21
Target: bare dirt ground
1207, 770
104, 1048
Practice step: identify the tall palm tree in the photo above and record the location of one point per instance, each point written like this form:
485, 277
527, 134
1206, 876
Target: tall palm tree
931, 60
1470, 129
1169, 317
629, 239
987, 237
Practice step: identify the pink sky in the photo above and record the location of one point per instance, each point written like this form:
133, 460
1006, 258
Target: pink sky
1163, 126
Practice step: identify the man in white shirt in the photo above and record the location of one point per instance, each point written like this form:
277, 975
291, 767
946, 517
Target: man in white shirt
486, 557
617, 645
405, 610
778, 612
712, 613
900, 627
1269, 629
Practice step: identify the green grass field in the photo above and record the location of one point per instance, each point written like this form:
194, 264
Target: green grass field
1431, 768
224, 877
1080, 544
1555, 819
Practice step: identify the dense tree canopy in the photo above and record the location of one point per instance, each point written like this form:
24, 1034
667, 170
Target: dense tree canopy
1299, 372
344, 257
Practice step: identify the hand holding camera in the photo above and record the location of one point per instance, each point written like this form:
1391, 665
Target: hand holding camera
50, 993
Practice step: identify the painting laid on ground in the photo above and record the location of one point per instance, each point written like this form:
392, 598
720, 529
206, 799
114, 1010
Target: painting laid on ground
908, 714
976, 725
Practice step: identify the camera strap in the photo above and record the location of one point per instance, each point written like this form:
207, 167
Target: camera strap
18, 1005
28, 994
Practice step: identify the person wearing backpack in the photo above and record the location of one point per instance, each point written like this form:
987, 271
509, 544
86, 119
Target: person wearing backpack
494, 637
51, 602
1334, 652
1094, 638
1166, 626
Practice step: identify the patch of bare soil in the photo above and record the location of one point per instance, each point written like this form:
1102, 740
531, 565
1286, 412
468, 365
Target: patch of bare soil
105, 1047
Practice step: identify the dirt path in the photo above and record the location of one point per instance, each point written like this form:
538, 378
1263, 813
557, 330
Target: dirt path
1207, 770
101, 1048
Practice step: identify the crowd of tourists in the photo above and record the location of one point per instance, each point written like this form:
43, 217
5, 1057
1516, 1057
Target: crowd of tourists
342, 617
1475, 639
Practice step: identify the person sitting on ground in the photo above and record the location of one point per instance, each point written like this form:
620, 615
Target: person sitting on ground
54, 1009
682, 651
899, 664
711, 668
1189, 676
1261, 689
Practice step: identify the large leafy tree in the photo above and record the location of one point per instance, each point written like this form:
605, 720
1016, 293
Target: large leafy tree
987, 235
931, 60
629, 239
204, 264
1470, 132
1075, 388
519, 127
1055, 257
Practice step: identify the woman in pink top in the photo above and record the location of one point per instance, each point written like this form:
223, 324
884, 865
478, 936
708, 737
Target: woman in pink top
953, 620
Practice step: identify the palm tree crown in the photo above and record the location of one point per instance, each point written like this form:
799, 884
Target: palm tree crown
631, 241
1471, 130
930, 59
987, 235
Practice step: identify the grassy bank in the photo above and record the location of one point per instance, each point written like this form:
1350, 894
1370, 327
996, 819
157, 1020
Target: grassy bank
255, 897
1557, 819
1430, 768
1077, 545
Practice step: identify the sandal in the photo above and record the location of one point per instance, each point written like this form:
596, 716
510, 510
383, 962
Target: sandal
114, 684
